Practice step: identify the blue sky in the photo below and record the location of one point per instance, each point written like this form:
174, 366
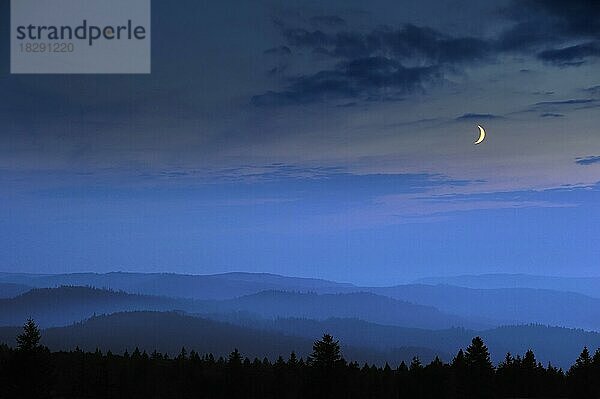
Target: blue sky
329, 139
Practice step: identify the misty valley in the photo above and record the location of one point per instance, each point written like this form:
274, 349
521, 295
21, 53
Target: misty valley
109, 335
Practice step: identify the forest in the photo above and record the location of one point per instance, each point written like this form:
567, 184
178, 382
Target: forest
30, 370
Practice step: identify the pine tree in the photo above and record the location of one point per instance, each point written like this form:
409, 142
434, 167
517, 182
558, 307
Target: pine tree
584, 360
235, 358
182, 354
30, 338
529, 373
596, 359
326, 352
581, 376
402, 367
477, 356
415, 364
32, 365
480, 371
293, 360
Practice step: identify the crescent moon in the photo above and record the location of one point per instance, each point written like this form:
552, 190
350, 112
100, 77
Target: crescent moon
481, 135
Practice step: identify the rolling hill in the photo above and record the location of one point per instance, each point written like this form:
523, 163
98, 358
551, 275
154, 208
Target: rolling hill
504, 305
11, 290
217, 286
584, 285
361, 305
65, 305
361, 341
455, 306
168, 332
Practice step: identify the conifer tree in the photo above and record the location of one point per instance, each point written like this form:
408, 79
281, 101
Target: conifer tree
480, 371
29, 339
326, 352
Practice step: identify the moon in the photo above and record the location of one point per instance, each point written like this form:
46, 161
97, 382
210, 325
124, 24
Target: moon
481, 135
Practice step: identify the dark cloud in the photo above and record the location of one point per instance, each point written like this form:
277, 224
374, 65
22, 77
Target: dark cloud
327, 21
557, 108
278, 70
573, 18
594, 90
575, 101
572, 55
304, 38
473, 116
407, 43
377, 65
560, 33
372, 78
280, 50
551, 26
588, 160
525, 36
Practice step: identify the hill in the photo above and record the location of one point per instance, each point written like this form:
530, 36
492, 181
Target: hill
217, 286
561, 346
66, 305
362, 341
11, 290
583, 285
170, 331
455, 306
504, 305
362, 305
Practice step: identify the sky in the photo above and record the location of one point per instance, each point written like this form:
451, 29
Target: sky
329, 139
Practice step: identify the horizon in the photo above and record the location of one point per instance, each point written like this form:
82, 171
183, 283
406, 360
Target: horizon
418, 280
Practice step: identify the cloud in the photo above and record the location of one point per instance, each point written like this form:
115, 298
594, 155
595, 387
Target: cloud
594, 159
547, 26
524, 36
371, 78
575, 101
327, 21
276, 172
573, 18
472, 116
377, 65
278, 51
403, 44
594, 90
558, 108
571, 56
409, 56
305, 38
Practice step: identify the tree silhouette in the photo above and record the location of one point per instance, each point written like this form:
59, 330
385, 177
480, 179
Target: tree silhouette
326, 352
459, 375
293, 360
38, 373
584, 360
235, 358
30, 338
477, 356
325, 361
480, 371
415, 364
31, 367
582, 376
